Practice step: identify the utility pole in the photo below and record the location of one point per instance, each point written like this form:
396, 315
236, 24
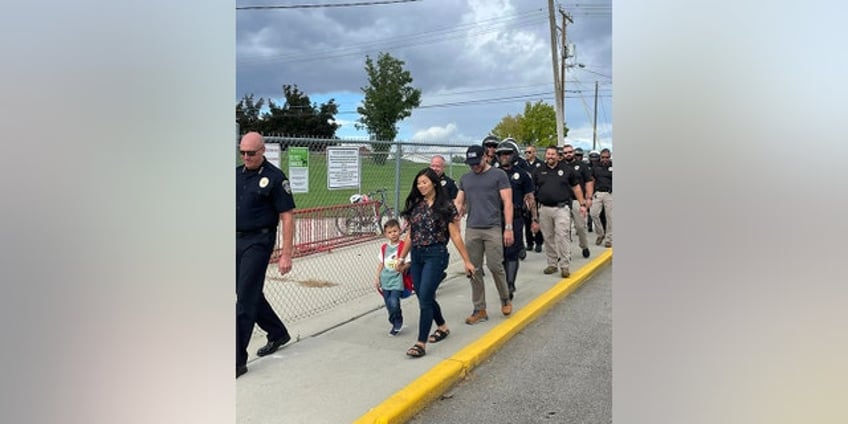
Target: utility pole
595, 124
559, 103
565, 55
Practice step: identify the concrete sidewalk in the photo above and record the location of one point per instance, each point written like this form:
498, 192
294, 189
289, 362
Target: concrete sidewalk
348, 369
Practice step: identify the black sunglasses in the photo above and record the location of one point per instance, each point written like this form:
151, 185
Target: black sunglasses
250, 153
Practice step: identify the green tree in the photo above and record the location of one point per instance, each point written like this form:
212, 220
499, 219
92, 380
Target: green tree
247, 113
389, 98
510, 126
537, 125
298, 116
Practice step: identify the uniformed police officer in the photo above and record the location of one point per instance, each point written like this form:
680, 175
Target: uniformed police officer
263, 199
534, 240
522, 197
437, 163
594, 160
603, 198
490, 143
556, 185
587, 185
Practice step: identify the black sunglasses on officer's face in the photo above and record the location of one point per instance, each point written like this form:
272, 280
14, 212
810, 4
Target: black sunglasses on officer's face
250, 153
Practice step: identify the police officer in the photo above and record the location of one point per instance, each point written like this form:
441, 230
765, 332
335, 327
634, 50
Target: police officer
263, 198
556, 185
594, 160
437, 163
603, 198
522, 197
586, 184
534, 240
490, 143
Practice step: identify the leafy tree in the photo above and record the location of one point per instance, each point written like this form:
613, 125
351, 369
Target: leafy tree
389, 98
537, 125
247, 113
510, 126
299, 117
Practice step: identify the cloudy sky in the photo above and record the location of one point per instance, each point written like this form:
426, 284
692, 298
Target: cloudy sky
475, 61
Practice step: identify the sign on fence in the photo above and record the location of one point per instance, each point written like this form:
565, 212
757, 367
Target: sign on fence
299, 169
272, 153
342, 167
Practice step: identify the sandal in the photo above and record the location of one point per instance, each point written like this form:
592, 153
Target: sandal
439, 335
416, 351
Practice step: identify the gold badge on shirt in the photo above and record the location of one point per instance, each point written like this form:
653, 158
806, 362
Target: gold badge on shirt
264, 182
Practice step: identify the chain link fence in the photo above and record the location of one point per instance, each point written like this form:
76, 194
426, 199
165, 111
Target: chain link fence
337, 242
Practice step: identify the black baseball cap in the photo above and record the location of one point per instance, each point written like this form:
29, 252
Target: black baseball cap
474, 155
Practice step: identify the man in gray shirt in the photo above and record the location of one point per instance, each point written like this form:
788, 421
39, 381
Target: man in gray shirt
487, 194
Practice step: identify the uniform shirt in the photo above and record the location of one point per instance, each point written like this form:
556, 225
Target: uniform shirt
483, 196
261, 196
553, 185
449, 185
427, 227
583, 170
522, 183
603, 177
535, 163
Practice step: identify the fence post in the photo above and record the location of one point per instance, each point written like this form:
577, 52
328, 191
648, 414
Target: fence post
398, 154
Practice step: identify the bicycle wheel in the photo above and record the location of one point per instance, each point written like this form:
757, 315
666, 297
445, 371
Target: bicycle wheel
346, 222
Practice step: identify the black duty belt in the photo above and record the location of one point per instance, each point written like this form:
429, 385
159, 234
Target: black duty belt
604, 190
256, 231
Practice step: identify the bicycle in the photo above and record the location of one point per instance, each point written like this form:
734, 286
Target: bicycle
362, 219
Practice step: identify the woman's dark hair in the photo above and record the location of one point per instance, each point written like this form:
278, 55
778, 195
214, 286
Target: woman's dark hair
441, 204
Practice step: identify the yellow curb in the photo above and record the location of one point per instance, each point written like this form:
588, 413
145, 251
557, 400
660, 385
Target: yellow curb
404, 404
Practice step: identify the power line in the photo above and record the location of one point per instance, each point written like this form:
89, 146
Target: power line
409, 40
313, 6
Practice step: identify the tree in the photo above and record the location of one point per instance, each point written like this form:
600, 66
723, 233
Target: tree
510, 126
247, 113
299, 117
389, 98
537, 125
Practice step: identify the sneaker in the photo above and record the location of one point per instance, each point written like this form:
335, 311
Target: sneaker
608, 244
538, 248
599, 240
550, 270
511, 292
586, 252
565, 273
395, 330
506, 307
522, 254
477, 316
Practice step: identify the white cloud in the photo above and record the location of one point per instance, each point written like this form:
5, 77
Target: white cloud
439, 135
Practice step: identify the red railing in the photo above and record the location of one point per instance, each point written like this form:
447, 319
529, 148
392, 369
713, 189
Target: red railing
325, 228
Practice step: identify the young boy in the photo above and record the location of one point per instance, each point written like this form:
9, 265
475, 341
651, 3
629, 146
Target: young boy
390, 281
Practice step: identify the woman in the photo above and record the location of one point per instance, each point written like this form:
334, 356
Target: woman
432, 219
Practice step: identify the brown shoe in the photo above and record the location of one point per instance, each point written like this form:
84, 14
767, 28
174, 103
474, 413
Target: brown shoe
506, 309
599, 240
608, 244
550, 270
477, 316
565, 273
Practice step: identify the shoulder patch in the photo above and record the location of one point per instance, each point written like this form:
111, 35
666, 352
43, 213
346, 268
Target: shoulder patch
287, 186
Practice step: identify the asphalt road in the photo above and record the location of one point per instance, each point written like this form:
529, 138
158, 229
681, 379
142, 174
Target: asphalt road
557, 370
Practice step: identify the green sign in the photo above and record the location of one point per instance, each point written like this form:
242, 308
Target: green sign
298, 157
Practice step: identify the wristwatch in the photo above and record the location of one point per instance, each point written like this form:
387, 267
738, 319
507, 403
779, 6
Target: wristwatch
508, 227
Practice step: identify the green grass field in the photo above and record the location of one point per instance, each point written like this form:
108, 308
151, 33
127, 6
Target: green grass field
373, 177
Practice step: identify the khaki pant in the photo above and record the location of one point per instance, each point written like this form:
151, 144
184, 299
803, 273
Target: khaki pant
488, 241
602, 200
579, 224
555, 224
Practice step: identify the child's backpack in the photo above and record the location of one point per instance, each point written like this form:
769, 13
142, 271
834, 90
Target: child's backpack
408, 289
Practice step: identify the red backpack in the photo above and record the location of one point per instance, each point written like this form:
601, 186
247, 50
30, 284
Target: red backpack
408, 288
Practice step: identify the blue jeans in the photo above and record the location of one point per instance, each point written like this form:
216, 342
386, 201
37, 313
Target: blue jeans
428, 263
392, 298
